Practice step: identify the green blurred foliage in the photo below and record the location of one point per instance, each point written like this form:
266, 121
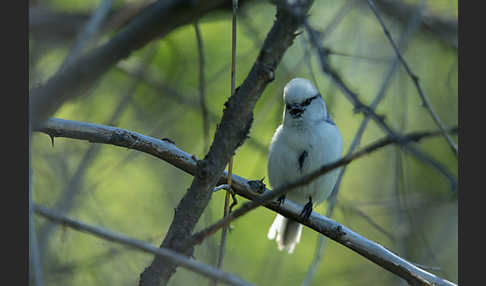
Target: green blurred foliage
135, 194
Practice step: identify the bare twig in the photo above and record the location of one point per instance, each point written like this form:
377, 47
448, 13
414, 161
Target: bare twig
188, 163
415, 80
182, 260
226, 209
202, 86
361, 107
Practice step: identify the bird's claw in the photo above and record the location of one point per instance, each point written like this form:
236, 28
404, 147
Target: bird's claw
281, 200
307, 210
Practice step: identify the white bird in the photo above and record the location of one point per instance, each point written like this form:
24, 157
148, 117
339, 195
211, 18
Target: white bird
306, 140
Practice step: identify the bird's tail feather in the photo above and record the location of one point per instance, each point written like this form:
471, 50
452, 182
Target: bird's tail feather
286, 232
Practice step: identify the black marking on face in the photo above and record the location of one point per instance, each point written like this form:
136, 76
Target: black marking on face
309, 100
297, 109
302, 158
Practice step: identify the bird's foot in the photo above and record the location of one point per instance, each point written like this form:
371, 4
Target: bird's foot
281, 200
307, 210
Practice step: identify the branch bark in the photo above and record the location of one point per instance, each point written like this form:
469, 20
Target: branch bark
170, 153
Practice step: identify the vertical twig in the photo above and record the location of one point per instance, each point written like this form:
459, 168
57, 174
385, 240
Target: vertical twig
399, 175
230, 163
415, 80
202, 86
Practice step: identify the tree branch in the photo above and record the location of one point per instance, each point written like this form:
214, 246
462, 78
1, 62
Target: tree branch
170, 153
184, 261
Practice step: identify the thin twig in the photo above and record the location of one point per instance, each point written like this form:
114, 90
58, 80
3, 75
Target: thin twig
186, 162
369, 220
103, 233
202, 86
415, 80
226, 209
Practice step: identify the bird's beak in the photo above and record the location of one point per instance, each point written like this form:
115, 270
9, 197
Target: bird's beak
296, 110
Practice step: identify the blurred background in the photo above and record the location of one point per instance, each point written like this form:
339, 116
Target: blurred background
389, 196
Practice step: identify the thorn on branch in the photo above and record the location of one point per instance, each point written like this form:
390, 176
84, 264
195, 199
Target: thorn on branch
52, 140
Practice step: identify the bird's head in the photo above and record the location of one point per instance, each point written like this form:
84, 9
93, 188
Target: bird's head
303, 102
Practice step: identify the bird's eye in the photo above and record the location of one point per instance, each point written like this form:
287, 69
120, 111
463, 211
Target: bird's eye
307, 101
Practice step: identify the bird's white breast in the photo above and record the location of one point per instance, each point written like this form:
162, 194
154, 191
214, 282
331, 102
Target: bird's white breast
323, 144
